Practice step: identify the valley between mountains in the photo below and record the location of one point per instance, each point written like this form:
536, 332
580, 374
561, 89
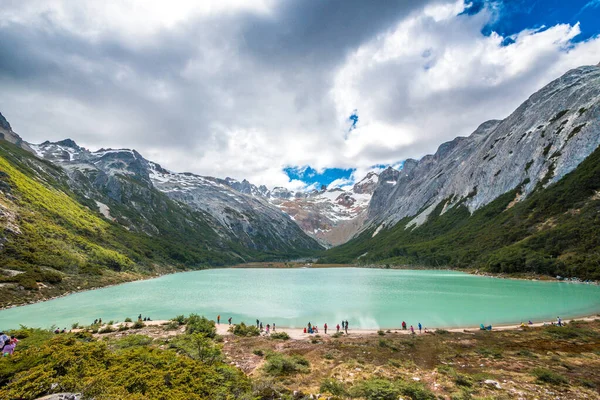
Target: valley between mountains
518, 195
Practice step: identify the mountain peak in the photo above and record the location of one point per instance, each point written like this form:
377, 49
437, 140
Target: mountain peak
68, 143
4, 123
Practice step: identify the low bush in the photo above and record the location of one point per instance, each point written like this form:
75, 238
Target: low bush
128, 319
198, 324
547, 376
381, 389
138, 325
380, 332
180, 319
242, 329
280, 364
133, 341
107, 329
258, 352
280, 335
171, 326
333, 387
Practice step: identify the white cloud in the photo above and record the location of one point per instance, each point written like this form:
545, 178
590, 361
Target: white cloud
184, 83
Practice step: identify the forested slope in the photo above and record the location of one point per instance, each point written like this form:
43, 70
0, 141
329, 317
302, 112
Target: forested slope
554, 231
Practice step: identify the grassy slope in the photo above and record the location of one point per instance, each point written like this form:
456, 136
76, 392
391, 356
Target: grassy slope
555, 230
64, 244
544, 363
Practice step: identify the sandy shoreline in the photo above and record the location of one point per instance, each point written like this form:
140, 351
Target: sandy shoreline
298, 333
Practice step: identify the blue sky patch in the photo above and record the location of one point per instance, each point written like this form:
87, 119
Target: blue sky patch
311, 176
513, 16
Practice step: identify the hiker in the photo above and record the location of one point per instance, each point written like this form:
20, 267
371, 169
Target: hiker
140, 317
219, 319
346, 327
56, 331
304, 329
64, 330
315, 329
261, 326
14, 340
309, 325
100, 321
412, 330
419, 327
273, 326
558, 321
257, 322
337, 328
530, 323
268, 326
95, 321
145, 319
229, 320
403, 325
325, 327
8, 348
3, 337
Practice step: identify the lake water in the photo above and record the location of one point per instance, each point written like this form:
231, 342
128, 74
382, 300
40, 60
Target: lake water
367, 298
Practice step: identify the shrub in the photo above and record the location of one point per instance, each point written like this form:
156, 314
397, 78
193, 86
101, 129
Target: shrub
75, 325
280, 364
128, 319
328, 356
197, 346
242, 329
138, 325
122, 327
337, 335
180, 319
441, 331
133, 341
198, 324
258, 352
547, 376
171, 326
107, 329
380, 332
280, 335
381, 389
333, 386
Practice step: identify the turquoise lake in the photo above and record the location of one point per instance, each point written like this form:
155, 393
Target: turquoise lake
367, 298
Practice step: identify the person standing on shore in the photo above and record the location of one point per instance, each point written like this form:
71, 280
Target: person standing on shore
325, 327
412, 330
420, 326
219, 319
229, 320
338, 328
403, 325
257, 322
559, 321
346, 327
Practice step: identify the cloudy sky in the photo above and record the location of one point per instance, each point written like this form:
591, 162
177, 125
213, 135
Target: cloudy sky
285, 92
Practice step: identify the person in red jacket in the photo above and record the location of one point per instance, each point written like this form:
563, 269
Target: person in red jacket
338, 328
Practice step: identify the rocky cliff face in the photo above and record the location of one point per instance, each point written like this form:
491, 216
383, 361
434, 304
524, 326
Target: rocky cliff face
548, 136
332, 216
128, 178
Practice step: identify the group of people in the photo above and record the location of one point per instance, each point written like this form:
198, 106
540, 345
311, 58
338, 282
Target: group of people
7, 344
219, 320
143, 319
267, 328
412, 328
310, 328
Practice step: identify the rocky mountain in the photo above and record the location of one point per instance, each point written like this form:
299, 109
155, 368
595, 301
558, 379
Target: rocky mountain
246, 216
517, 195
548, 136
332, 216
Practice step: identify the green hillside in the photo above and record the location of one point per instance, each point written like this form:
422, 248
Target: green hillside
52, 240
555, 231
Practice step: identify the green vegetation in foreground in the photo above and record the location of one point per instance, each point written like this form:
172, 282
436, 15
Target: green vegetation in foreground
555, 231
151, 363
51, 236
